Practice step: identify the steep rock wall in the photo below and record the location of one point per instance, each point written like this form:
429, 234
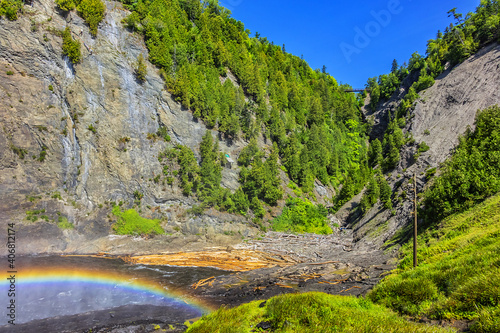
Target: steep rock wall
77, 116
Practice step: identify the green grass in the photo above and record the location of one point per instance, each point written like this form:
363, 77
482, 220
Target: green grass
302, 216
131, 223
458, 276
309, 312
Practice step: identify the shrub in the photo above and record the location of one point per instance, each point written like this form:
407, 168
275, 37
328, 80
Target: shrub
138, 195
141, 70
64, 223
189, 170
256, 207
19, 151
71, 47
10, 8
92, 11
131, 223
162, 133
302, 216
371, 196
424, 81
430, 172
423, 147
385, 192
32, 215
241, 203
132, 21
42, 155
66, 5
196, 210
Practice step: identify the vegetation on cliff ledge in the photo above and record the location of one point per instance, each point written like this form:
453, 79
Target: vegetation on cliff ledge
92, 11
131, 223
10, 8
302, 216
71, 47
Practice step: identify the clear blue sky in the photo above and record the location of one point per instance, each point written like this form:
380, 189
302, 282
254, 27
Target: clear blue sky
325, 32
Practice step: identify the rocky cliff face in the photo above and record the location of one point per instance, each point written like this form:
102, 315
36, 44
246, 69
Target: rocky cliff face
441, 115
75, 138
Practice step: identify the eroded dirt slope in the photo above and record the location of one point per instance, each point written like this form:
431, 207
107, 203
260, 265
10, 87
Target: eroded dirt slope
441, 115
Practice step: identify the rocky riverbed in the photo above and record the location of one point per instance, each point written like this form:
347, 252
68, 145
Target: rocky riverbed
294, 263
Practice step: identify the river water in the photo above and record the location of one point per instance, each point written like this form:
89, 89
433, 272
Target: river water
49, 286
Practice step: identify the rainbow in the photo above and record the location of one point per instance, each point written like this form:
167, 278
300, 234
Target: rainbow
44, 276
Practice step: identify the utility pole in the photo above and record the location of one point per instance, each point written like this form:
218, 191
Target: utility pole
415, 223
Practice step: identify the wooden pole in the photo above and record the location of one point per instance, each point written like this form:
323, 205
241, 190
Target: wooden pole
415, 223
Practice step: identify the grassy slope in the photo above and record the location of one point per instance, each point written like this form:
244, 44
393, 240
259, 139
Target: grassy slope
458, 276
309, 312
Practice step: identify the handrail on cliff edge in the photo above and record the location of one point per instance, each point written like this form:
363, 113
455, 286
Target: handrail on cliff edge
357, 90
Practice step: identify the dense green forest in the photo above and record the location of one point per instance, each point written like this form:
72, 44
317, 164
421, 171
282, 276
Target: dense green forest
315, 128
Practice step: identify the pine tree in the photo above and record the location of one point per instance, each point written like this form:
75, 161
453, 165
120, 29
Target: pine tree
385, 192
375, 153
141, 69
395, 66
71, 47
210, 168
271, 189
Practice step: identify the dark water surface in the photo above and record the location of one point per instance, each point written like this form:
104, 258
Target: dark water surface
50, 286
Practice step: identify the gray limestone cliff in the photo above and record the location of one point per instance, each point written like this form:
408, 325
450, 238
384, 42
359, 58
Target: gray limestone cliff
74, 138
